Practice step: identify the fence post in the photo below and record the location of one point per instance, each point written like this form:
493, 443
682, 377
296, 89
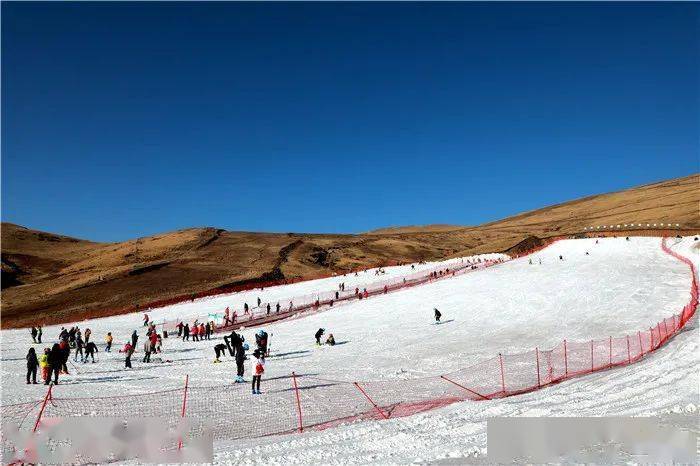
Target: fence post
591, 355
184, 405
43, 406
566, 362
381, 413
610, 355
629, 355
641, 348
296, 390
537, 356
503, 379
666, 328
658, 330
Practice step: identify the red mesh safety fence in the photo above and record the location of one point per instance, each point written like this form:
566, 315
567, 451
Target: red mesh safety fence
294, 305
301, 402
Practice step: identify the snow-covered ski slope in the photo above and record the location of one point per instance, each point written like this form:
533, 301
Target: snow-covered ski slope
618, 288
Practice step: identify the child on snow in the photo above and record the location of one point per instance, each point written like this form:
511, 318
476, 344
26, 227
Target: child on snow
45, 367
32, 365
258, 370
108, 339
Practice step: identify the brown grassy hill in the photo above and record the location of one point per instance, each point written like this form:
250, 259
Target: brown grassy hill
51, 278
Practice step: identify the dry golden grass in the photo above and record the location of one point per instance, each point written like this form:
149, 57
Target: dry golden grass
49, 278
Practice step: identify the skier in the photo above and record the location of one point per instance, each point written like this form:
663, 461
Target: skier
268, 308
64, 334
64, 348
219, 350
88, 332
240, 361
261, 340
259, 301
32, 365
90, 350
330, 340
34, 333
180, 326
145, 320
79, 344
245, 309
128, 350
437, 316
55, 362
134, 339
561, 258
258, 370
108, 340
195, 332
277, 308
147, 351
45, 367
318, 335
38, 334
186, 332
227, 316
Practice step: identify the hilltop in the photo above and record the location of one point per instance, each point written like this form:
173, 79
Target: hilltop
53, 278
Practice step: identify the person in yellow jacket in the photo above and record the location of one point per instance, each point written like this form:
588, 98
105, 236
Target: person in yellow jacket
45, 367
108, 339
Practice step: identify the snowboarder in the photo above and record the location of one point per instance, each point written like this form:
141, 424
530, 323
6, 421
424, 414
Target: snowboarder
437, 316
258, 370
318, 335
108, 340
90, 350
32, 365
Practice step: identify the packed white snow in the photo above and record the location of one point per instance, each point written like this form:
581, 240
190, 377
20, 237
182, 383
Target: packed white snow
618, 287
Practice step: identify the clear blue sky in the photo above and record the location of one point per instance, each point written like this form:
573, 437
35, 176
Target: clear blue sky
124, 120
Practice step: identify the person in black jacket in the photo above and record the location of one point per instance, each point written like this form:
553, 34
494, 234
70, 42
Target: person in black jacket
90, 350
32, 365
437, 316
55, 363
318, 335
34, 334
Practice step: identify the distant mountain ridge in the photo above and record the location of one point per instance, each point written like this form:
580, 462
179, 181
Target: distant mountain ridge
54, 278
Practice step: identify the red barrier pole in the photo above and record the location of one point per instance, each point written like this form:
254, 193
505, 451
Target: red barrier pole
610, 356
537, 356
641, 349
296, 390
658, 330
665, 328
566, 362
503, 379
370, 400
629, 356
184, 405
465, 388
43, 406
591, 355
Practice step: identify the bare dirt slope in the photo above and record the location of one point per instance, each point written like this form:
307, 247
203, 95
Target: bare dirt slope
50, 278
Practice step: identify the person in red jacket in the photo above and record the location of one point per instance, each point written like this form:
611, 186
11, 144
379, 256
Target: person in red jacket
128, 350
153, 338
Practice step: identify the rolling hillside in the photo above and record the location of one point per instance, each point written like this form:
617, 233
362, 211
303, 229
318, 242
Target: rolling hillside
50, 278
